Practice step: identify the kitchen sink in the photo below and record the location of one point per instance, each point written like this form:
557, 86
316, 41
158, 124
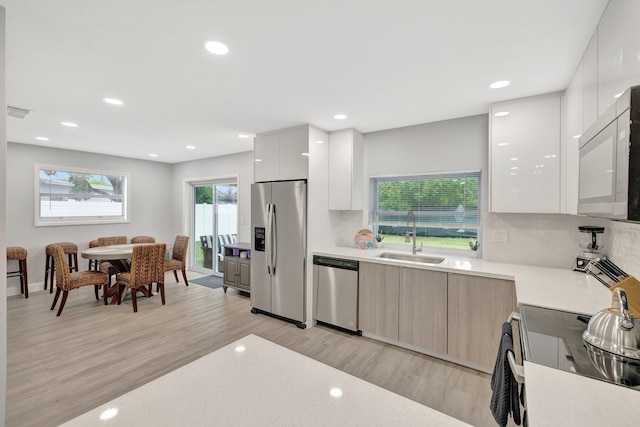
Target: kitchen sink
413, 258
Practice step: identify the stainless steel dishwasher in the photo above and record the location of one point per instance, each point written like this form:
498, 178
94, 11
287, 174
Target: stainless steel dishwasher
336, 292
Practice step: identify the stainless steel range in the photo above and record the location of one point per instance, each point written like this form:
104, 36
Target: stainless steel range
554, 338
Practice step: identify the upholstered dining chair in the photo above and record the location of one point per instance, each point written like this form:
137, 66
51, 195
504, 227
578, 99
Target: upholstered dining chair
178, 259
70, 249
67, 281
18, 253
147, 268
105, 266
143, 239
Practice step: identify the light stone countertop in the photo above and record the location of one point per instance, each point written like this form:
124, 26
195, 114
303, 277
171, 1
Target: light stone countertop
254, 382
554, 397
557, 288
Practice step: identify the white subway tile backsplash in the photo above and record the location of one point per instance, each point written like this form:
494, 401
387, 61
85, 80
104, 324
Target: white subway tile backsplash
545, 240
624, 244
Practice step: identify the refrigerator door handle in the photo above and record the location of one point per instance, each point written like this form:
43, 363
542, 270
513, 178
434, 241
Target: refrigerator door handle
268, 238
274, 240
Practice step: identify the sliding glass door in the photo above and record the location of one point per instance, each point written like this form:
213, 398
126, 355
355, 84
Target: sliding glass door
215, 221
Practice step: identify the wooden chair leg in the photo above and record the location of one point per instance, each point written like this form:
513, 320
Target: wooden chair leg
23, 271
75, 262
55, 299
175, 273
184, 276
46, 271
105, 290
161, 285
134, 301
64, 299
52, 274
95, 289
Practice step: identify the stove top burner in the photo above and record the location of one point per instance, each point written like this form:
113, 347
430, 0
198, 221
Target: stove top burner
553, 338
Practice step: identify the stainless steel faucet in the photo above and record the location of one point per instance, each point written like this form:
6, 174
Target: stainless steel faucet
414, 249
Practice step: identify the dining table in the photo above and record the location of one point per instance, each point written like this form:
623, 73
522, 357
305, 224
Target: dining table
119, 257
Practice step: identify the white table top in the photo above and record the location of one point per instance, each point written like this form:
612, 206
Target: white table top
254, 382
109, 252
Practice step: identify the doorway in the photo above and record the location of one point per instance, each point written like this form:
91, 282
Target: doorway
215, 220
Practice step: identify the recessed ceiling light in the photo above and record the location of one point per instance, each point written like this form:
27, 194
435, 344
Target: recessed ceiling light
501, 113
335, 392
618, 95
240, 349
499, 84
513, 158
243, 136
153, 155
42, 138
340, 116
502, 144
69, 124
319, 141
108, 414
191, 147
112, 101
305, 154
216, 48
257, 160
514, 168
577, 136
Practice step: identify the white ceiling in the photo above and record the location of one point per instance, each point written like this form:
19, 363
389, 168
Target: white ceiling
384, 63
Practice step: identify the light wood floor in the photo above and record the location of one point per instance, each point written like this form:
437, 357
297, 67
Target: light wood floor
59, 368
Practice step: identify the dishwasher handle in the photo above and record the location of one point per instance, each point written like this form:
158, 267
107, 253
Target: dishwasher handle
344, 264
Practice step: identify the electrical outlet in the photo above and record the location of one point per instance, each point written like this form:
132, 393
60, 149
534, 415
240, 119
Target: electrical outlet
501, 236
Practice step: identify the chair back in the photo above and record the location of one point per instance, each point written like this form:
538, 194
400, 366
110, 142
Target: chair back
112, 240
143, 239
63, 277
180, 247
147, 265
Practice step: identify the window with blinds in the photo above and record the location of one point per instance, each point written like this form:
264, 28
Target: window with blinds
446, 207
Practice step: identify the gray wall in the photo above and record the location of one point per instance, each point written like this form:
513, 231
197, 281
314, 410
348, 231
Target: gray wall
150, 201
239, 166
449, 145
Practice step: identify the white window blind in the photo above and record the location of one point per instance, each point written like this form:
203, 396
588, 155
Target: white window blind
445, 204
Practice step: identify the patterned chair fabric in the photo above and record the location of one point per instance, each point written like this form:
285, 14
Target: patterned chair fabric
147, 267
70, 249
178, 258
143, 239
18, 253
67, 281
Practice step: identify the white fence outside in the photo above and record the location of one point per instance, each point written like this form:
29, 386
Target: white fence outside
227, 219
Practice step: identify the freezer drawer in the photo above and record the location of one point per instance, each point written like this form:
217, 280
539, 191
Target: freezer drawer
336, 296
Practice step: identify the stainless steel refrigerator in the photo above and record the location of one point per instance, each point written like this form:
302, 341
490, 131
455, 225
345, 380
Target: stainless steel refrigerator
278, 249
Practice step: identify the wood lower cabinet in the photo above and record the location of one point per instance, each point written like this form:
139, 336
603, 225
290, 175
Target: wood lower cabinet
237, 273
378, 300
477, 308
422, 309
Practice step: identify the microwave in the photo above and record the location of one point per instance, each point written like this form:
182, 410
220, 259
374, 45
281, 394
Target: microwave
609, 162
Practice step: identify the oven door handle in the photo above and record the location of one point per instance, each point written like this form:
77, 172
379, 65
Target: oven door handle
517, 370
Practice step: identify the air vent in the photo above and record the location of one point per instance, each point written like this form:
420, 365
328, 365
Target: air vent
18, 113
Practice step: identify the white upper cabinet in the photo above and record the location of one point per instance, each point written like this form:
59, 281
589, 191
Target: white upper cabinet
573, 104
590, 82
281, 155
618, 51
346, 170
525, 155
